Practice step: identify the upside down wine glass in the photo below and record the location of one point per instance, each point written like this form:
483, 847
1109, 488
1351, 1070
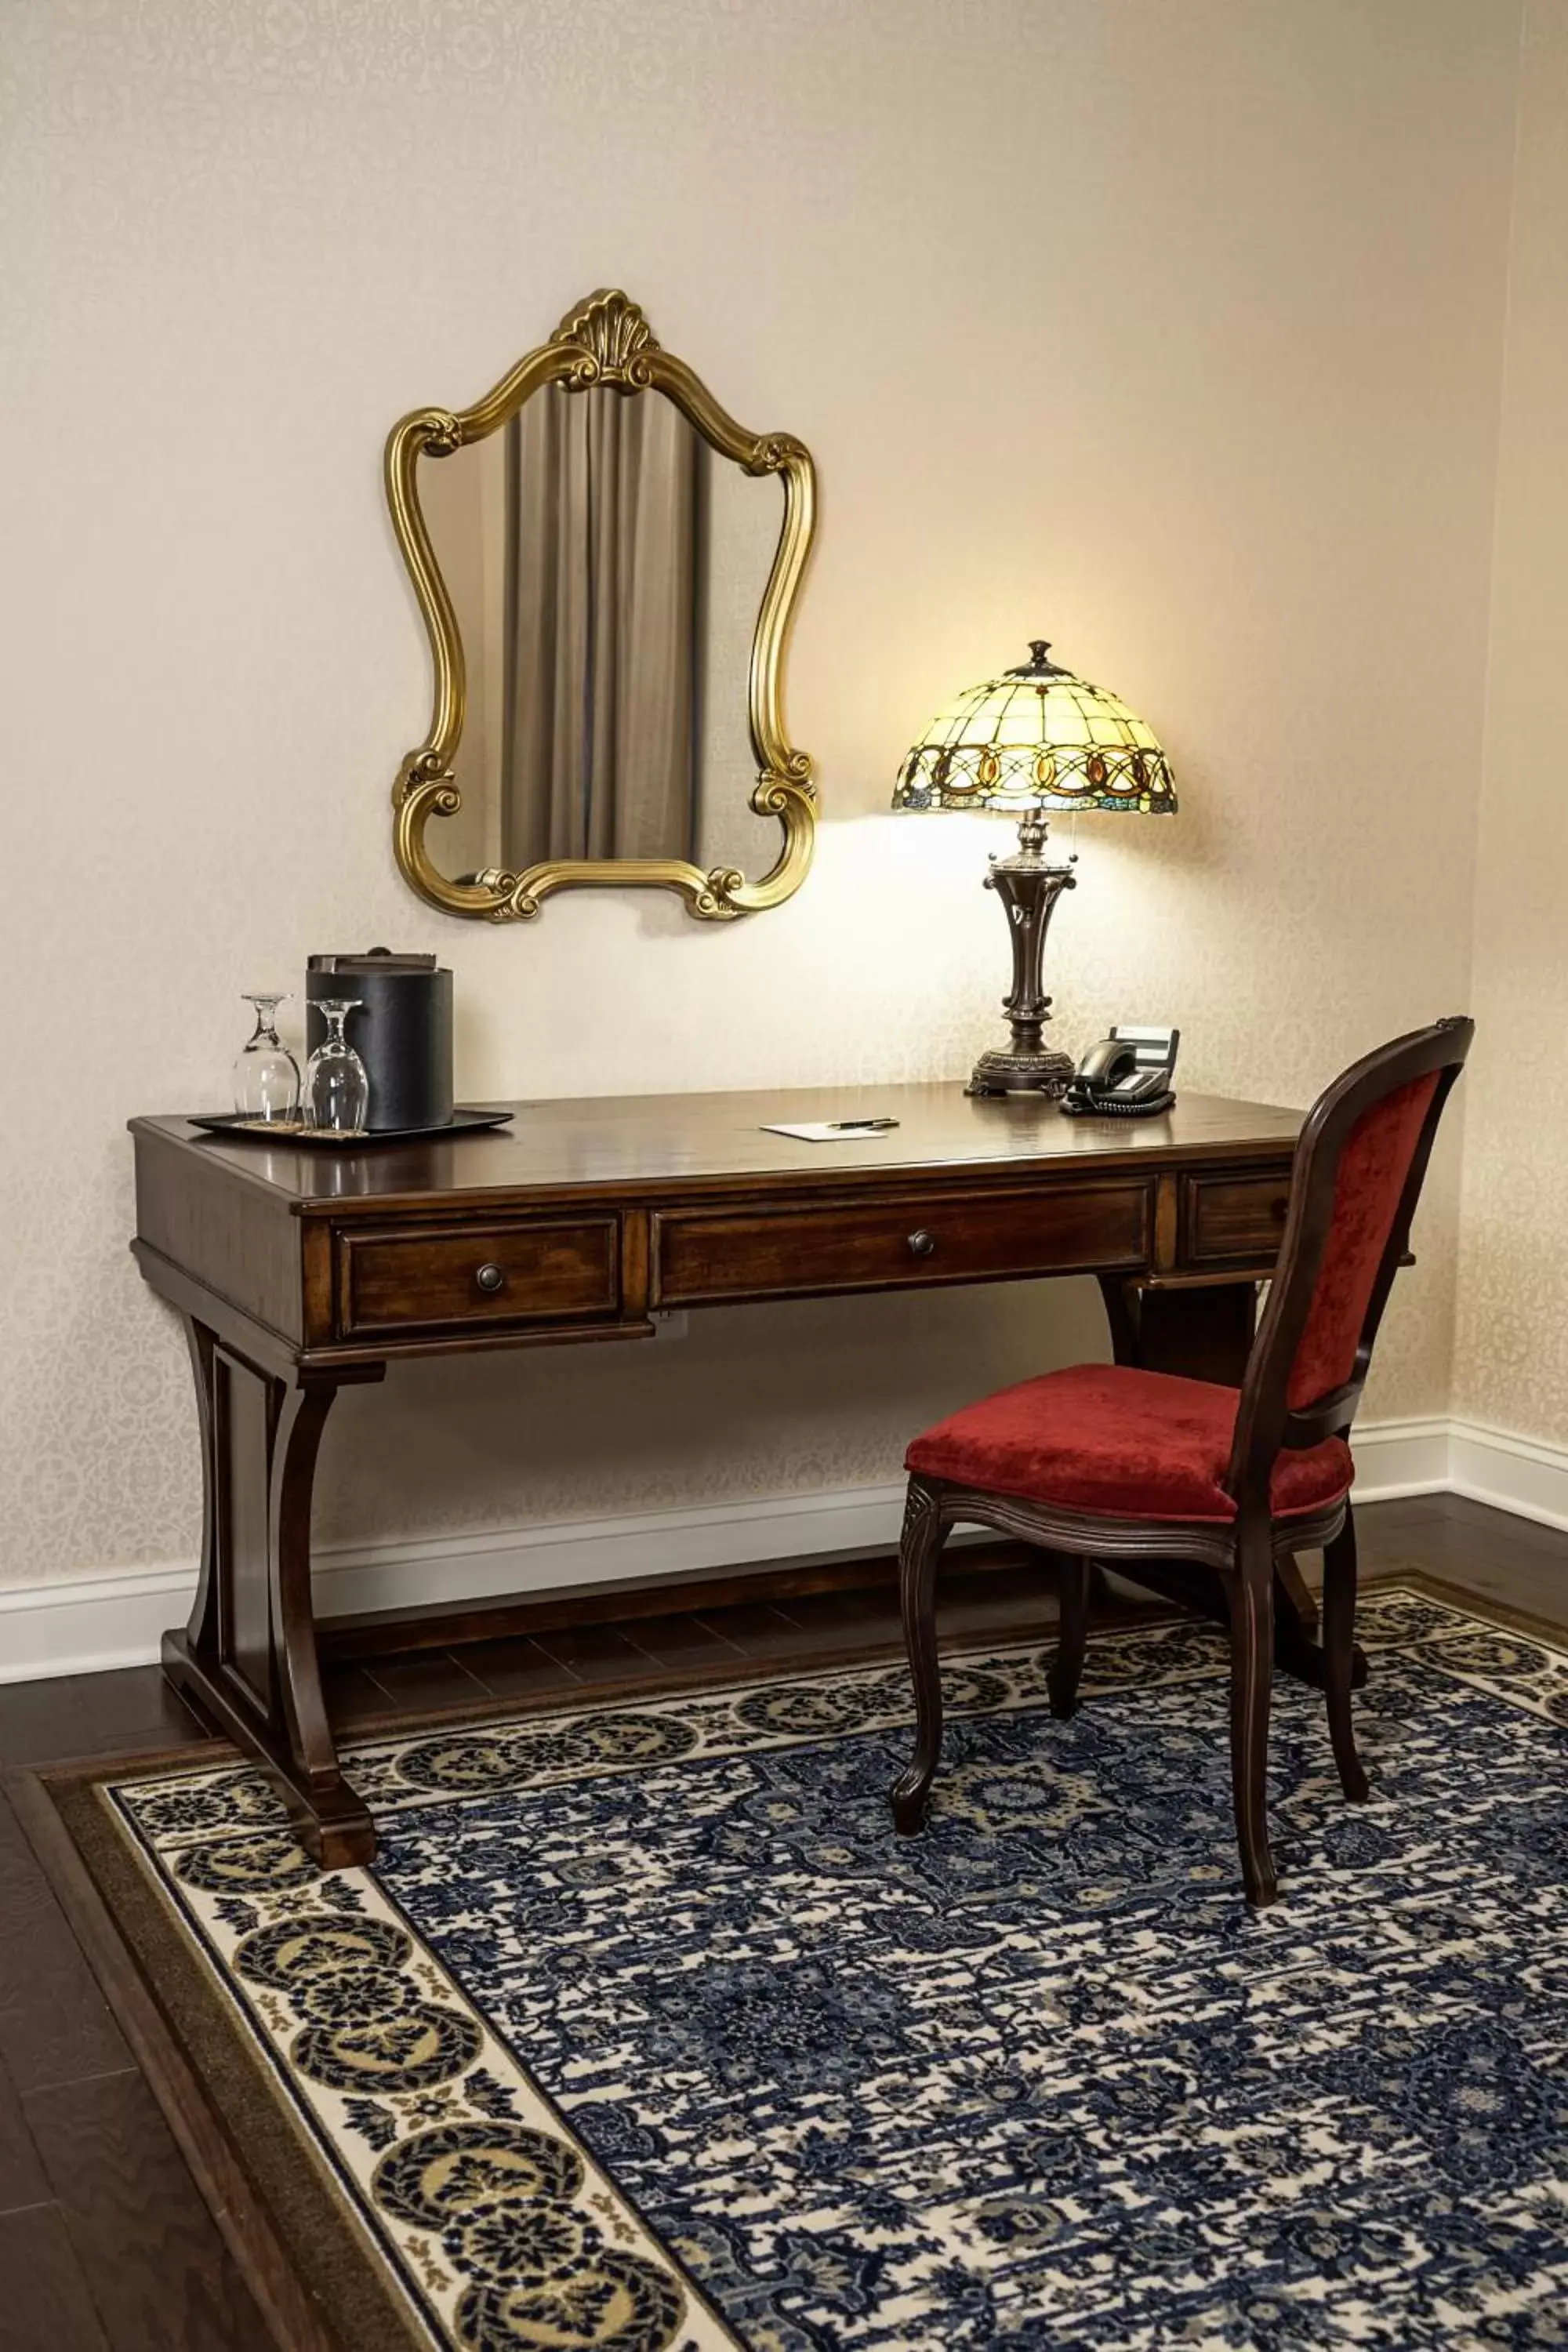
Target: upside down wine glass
266, 1074
337, 1088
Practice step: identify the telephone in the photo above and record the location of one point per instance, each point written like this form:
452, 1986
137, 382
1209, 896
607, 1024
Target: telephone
1126, 1075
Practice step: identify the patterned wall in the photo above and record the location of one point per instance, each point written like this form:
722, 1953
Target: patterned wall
1511, 1364
1171, 333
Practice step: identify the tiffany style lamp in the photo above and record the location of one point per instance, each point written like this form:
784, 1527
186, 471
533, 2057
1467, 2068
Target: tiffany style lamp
1034, 742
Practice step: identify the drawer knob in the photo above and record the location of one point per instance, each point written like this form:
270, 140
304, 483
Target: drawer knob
490, 1276
921, 1243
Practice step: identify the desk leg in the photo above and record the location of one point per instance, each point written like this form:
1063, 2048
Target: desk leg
247, 1658
1205, 1332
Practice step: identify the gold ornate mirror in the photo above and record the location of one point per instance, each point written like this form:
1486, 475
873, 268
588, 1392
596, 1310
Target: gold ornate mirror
608, 576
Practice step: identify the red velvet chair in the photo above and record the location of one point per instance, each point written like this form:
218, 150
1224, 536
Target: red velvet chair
1108, 1463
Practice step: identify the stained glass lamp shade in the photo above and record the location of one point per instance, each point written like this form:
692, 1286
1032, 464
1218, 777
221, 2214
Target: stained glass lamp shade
1034, 742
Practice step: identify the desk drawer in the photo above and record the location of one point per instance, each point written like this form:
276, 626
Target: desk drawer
1235, 1220
424, 1276
891, 1243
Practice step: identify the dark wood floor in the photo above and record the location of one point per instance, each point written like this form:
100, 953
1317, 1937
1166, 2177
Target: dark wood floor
105, 2245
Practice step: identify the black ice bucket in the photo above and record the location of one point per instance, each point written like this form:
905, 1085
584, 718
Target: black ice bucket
402, 1033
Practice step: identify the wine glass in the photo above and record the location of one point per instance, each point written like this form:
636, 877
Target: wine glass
337, 1088
266, 1074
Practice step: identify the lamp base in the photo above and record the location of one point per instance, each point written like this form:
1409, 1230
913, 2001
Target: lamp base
1028, 888
1010, 1072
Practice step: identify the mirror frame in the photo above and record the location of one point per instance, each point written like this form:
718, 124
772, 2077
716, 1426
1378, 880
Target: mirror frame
605, 340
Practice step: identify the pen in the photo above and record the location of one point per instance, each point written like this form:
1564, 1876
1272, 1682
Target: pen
859, 1126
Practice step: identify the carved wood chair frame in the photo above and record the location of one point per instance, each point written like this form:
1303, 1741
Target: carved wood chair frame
1242, 1550
604, 340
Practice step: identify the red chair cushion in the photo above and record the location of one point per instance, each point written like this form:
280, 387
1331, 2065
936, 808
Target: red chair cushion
1121, 1444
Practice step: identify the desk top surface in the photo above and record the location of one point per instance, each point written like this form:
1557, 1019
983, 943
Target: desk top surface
622, 1142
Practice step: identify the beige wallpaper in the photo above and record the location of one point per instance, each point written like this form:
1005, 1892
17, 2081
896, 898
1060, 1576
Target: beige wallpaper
1173, 333
1511, 1363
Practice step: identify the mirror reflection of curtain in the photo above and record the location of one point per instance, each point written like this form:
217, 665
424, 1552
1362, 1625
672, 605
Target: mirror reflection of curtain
603, 589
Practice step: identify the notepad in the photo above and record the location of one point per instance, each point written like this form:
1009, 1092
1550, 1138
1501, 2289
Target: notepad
834, 1131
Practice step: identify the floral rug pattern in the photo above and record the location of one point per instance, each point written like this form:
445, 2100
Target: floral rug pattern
645, 2034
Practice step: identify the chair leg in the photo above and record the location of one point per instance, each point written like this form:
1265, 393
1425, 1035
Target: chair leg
919, 1548
1251, 1595
1072, 1634
1338, 1655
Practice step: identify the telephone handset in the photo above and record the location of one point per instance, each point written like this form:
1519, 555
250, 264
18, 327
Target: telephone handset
1127, 1076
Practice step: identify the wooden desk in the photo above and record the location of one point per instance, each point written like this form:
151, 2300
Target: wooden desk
297, 1271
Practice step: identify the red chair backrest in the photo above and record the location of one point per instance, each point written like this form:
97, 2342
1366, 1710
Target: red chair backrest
1361, 1161
1369, 1185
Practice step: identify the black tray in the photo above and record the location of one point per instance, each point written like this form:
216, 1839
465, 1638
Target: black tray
467, 1120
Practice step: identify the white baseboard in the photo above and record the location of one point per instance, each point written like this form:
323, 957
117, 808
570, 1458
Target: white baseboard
83, 1626
1520, 1474
1394, 1458
1513, 1474
704, 1539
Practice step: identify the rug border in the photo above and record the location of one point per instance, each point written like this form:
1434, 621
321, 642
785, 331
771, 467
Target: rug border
319, 2283
239, 2211
51, 1799
331, 2193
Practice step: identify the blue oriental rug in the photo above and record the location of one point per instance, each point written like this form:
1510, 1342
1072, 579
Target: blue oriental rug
645, 2034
